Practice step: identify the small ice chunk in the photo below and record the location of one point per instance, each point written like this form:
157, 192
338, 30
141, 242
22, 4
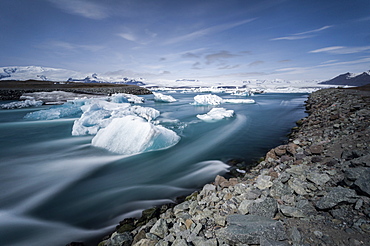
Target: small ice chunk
207, 100
239, 101
159, 97
22, 104
216, 114
132, 135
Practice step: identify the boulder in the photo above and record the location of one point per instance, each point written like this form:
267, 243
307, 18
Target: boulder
363, 182
335, 196
250, 229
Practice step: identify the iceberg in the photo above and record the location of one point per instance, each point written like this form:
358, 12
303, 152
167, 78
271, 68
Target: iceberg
68, 109
22, 104
159, 97
98, 114
124, 98
216, 114
207, 100
133, 135
239, 101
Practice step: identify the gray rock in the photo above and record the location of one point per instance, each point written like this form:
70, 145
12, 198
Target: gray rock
269, 242
295, 235
199, 241
120, 239
278, 190
298, 185
335, 196
250, 229
264, 207
179, 242
263, 182
145, 242
316, 149
291, 211
363, 182
318, 178
244, 206
160, 228
362, 161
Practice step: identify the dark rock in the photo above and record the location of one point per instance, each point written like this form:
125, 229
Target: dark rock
363, 182
335, 196
76, 244
250, 229
361, 161
266, 208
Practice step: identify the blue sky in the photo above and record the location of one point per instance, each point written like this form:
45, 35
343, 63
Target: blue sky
191, 39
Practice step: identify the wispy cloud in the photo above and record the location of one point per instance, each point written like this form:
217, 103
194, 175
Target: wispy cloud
302, 35
206, 31
85, 8
341, 50
128, 36
73, 47
218, 56
229, 67
255, 63
358, 61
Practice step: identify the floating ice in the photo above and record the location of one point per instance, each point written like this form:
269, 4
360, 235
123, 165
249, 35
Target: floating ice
207, 100
159, 97
97, 114
132, 135
216, 100
21, 104
124, 98
239, 101
68, 109
216, 114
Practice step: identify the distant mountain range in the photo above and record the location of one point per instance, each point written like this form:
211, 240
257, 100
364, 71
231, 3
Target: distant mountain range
62, 75
350, 79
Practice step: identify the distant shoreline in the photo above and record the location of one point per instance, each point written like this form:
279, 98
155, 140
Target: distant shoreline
13, 89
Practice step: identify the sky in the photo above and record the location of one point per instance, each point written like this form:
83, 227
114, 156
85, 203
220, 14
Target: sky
216, 40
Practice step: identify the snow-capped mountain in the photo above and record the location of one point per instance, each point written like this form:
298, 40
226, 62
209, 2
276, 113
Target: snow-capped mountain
62, 75
350, 79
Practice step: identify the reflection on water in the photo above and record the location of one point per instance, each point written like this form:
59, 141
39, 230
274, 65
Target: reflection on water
56, 188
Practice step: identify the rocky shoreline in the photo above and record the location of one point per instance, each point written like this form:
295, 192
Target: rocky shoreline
13, 90
314, 190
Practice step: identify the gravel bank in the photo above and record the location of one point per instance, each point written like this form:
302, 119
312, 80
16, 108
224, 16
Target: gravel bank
314, 190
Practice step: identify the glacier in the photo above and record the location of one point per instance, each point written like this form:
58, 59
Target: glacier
159, 97
22, 104
216, 114
131, 135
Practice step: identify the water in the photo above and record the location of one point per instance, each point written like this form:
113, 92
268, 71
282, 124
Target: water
57, 188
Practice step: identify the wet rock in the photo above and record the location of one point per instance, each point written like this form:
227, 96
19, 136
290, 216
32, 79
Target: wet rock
281, 150
250, 229
335, 196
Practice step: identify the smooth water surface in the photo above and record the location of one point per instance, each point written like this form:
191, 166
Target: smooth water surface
57, 188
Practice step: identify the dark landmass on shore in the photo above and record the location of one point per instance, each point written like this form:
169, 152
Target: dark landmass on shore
13, 89
314, 190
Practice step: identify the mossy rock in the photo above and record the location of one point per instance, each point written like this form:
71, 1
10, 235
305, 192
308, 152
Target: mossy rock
192, 197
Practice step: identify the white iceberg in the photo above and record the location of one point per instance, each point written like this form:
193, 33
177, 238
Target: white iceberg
216, 114
125, 98
208, 99
159, 97
21, 104
97, 114
133, 135
239, 101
